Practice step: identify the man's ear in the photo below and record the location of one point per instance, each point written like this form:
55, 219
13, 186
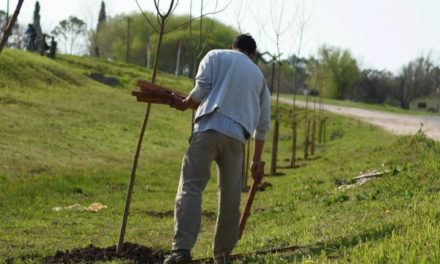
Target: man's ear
253, 56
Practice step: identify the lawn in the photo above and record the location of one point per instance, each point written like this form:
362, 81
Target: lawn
66, 139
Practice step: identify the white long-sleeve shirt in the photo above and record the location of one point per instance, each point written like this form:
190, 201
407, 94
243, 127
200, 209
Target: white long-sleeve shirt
230, 83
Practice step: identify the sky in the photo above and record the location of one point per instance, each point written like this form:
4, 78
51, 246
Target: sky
381, 34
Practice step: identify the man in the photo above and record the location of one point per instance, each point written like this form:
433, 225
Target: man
232, 102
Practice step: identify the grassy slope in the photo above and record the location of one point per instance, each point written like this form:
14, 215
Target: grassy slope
66, 139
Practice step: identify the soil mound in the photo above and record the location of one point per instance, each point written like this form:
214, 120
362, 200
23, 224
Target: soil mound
91, 254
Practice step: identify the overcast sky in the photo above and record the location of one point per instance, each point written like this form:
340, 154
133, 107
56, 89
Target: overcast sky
379, 33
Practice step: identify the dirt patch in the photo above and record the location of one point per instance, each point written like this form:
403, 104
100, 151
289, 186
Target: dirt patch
99, 77
91, 254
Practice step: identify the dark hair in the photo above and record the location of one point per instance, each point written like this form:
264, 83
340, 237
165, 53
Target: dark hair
245, 43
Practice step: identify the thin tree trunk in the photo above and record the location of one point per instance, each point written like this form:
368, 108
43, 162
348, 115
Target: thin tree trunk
11, 23
139, 146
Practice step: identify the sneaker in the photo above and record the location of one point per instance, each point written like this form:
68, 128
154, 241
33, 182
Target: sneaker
180, 256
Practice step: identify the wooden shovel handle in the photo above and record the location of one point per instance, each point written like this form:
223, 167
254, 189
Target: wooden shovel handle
250, 200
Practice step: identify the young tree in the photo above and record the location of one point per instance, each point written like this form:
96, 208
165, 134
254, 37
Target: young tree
70, 30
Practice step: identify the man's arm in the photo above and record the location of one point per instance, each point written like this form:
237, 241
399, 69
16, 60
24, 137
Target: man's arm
202, 88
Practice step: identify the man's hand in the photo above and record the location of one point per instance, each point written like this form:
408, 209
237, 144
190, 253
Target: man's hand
184, 104
178, 103
257, 169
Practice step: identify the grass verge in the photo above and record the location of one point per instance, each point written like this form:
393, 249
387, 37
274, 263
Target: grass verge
66, 139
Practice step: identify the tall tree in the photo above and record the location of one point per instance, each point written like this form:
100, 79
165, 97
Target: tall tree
102, 19
70, 30
37, 26
339, 70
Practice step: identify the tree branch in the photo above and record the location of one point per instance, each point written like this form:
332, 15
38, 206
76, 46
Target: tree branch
148, 20
201, 16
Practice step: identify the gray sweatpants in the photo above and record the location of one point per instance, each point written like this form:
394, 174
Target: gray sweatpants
227, 152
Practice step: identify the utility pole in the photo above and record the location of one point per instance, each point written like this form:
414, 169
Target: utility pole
7, 16
179, 51
148, 59
127, 52
7, 13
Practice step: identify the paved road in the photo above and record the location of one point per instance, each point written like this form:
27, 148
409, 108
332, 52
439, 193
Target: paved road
396, 123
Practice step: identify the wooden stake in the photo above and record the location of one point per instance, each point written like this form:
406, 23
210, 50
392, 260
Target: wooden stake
320, 130
294, 142
306, 140
273, 165
312, 151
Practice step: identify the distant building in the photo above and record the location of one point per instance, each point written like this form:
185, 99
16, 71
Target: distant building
429, 103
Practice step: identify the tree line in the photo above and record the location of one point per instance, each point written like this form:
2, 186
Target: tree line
333, 72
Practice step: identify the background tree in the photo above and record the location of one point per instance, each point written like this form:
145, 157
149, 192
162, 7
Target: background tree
39, 40
17, 37
95, 37
339, 70
374, 86
112, 44
70, 30
3, 20
419, 77
11, 23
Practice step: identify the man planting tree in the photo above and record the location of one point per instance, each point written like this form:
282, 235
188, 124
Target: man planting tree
232, 102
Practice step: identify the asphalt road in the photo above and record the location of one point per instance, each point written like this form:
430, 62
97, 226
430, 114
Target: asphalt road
400, 124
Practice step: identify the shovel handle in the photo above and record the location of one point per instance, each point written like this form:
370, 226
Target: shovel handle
250, 200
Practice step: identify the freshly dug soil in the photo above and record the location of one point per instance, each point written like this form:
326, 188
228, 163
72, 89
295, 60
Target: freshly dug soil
91, 254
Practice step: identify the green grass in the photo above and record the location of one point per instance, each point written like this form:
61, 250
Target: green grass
66, 139
377, 107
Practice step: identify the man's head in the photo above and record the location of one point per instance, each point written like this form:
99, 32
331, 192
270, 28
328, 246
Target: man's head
246, 44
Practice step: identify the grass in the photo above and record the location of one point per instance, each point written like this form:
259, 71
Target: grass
66, 139
367, 106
